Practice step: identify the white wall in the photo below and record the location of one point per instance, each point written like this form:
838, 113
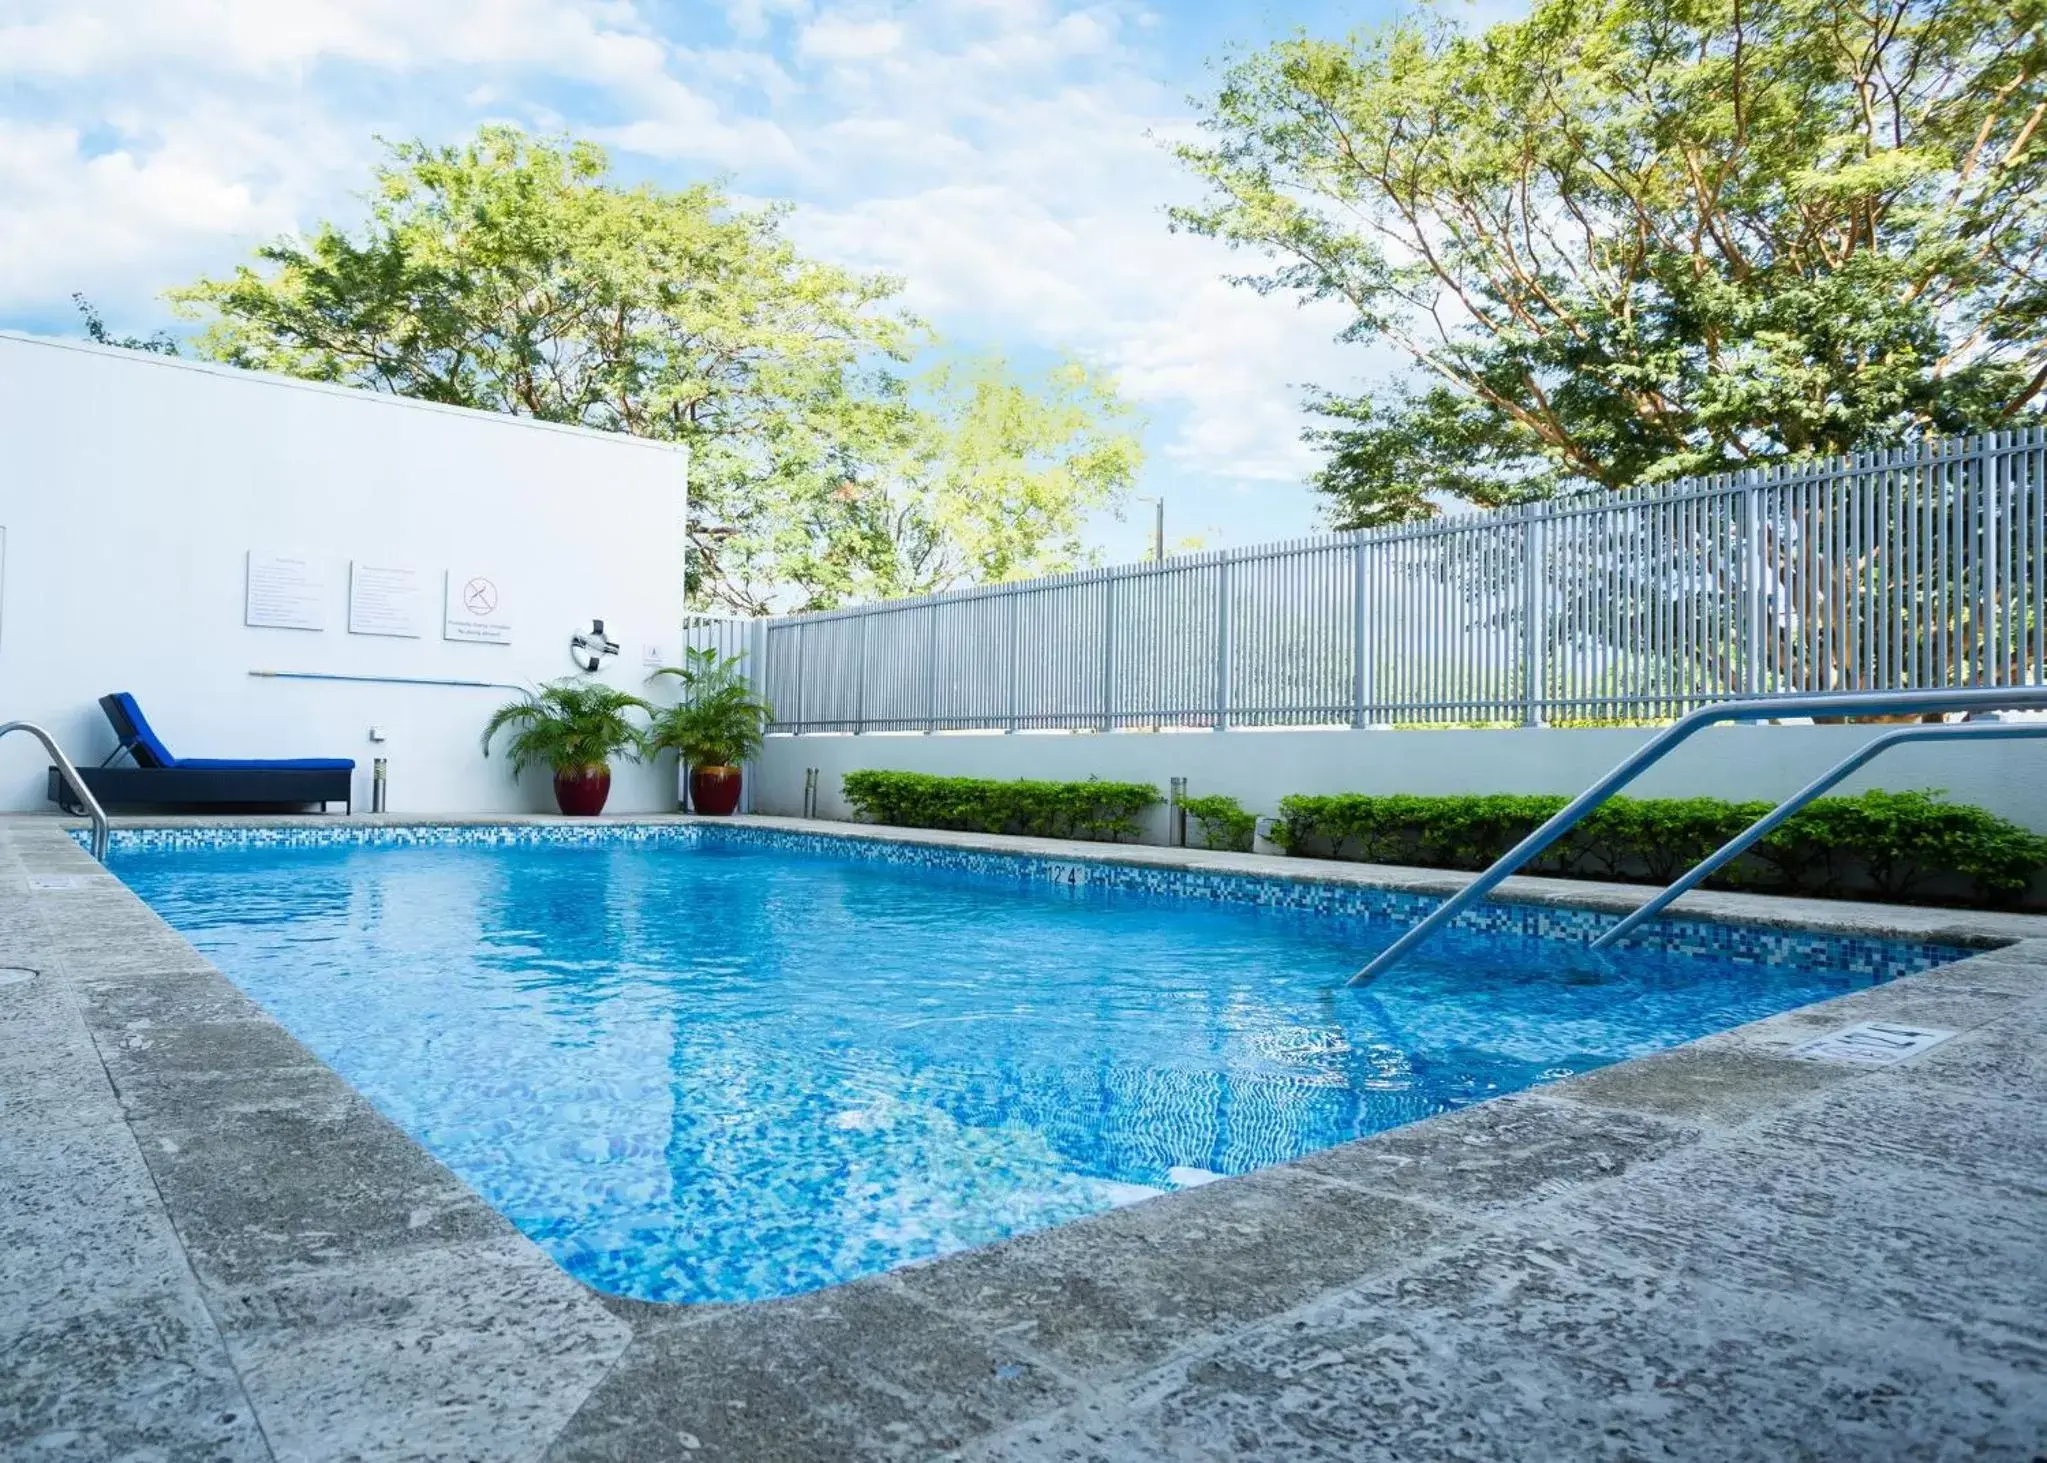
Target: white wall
132, 487
1260, 767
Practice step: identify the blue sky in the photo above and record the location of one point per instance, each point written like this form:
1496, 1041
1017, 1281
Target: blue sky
1003, 155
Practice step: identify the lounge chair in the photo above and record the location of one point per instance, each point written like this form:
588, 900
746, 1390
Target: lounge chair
159, 779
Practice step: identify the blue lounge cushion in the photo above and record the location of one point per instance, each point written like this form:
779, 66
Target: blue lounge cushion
269, 764
149, 751
139, 735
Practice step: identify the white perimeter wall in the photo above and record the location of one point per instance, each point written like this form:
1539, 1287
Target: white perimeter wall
131, 489
1260, 767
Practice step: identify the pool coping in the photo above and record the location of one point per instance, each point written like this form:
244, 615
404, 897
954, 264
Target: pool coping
325, 1288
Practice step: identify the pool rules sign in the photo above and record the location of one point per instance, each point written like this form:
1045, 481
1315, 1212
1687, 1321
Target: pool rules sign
475, 610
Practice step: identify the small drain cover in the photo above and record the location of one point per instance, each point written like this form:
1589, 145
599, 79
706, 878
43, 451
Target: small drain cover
15, 975
1872, 1044
56, 881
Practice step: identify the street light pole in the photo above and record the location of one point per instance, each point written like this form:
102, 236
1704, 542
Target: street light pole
1158, 527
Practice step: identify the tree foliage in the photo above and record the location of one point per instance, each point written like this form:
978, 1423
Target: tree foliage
157, 343
985, 476
1628, 240
514, 274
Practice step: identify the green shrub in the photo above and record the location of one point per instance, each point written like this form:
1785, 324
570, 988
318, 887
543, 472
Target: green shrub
1102, 811
1900, 839
1224, 823
1894, 841
1401, 828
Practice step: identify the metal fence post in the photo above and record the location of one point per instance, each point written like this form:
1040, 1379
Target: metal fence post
757, 672
1015, 665
1751, 585
1360, 675
860, 677
800, 637
1533, 618
931, 675
1222, 644
1109, 653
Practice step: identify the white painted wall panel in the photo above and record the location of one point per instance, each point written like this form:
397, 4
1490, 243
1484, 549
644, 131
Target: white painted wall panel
131, 489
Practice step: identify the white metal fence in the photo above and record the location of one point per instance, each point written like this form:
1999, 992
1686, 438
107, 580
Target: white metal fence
1925, 566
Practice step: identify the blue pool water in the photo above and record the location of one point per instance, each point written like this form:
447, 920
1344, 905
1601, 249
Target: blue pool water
726, 1072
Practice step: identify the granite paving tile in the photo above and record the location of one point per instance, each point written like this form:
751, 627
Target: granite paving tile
1501, 1153
261, 1193
80, 1226
50, 1076
104, 951
188, 992
2006, 1062
1899, 1117
1125, 1289
1702, 1083
1908, 1003
194, 1070
1965, 1257
855, 1372
476, 1352
1511, 1349
145, 1381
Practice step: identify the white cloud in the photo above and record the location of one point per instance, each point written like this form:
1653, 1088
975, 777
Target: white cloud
840, 38
1029, 208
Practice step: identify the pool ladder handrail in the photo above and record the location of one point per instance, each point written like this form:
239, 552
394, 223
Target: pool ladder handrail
1764, 826
1822, 703
102, 830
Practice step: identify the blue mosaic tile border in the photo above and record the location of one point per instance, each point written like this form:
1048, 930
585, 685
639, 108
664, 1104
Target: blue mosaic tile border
1873, 958
393, 835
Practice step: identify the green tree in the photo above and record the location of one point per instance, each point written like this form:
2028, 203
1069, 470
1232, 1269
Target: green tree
157, 343
1628, 240
990, 479
513, 274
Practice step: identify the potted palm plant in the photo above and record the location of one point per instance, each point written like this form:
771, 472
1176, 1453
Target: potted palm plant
575, 728
718, 724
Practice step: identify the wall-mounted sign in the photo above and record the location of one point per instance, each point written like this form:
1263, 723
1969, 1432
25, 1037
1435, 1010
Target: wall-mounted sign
475, 610
383, 601
285, 592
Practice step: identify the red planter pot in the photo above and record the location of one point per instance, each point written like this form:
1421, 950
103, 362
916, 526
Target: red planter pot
581, 792
714, 791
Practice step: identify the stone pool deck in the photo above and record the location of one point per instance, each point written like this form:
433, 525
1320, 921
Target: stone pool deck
212, 1248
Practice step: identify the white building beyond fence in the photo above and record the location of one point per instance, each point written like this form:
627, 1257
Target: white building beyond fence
1925, 566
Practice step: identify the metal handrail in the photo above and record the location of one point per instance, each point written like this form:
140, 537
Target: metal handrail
1827, 703
1735, 847
102, 830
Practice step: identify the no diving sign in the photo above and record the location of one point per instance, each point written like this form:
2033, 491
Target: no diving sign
1872, 1044
475, 610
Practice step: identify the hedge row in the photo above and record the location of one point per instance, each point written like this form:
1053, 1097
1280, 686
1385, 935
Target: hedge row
1895, 843
1102, 811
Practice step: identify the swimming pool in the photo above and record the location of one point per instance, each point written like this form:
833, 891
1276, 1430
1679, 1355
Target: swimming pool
726, 1064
